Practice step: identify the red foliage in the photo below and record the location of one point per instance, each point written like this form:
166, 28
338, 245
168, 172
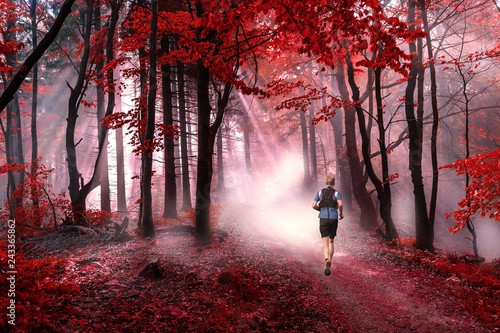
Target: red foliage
41, 208
483, 194
215, 212
39, 293
477, 283
10, 10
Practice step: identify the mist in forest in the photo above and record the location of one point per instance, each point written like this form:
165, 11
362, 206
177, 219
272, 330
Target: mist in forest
276, 198
270, 176
275, 189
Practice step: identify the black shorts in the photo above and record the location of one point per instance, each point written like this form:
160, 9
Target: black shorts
328, 227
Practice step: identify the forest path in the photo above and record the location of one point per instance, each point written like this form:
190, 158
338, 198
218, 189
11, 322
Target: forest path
368, 291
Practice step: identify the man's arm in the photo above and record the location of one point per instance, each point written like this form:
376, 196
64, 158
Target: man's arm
341, 210
314, 204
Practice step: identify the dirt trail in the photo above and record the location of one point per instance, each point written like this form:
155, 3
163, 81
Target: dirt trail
372, 294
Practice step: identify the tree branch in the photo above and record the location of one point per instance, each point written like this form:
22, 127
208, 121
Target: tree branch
37, 53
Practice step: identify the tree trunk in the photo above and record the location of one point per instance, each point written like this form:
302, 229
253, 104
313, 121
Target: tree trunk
78, 190
17, 80
435, 117
115, 11
147, 224
142, 114
186, 187
314, 159
425, 232
103, 176
170, 198
14, 152
206, 139
121, 196
76, 184
341, 158
12, 132
204, 162
305, 151
34, 100
247, 127
368, 218
384, 189
220, 164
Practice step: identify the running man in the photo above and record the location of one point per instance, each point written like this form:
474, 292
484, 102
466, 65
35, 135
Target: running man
329, 203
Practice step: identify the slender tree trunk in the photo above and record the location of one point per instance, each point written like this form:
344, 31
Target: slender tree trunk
229, 144
170, 199
425, 233
115, 11
34, 99
314, 159
469, 223
76, 182
103, 176
247, 127
384, 189
341, 158
435, 117
14, 152
143, 115
368, 218
147, 225
305, 151
186, 187
220, 164
13, 131
121, 195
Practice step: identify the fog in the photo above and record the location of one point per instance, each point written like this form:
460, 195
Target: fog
274, 183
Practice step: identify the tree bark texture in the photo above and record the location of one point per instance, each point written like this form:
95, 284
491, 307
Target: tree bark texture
103, 176
337, 123
246, 128
186, 187
34, 97
170, 196
424, 231
435, 117
314, 158
143, 76
77, 191
368, 218
220, 163
305, 151
147, 223
383, 191
204, 163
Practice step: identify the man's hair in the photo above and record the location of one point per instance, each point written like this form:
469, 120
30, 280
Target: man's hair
330, 180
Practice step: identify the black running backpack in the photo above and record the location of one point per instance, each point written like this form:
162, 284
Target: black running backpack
328, 198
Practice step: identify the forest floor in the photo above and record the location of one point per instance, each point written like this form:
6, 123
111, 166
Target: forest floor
266, 276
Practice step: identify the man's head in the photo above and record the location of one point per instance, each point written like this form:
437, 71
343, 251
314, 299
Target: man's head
330, 180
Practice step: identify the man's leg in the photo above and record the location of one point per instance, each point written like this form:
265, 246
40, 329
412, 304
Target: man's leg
331, 248
326, 248
326, 252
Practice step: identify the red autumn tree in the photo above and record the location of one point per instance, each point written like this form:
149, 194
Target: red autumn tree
482, 196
